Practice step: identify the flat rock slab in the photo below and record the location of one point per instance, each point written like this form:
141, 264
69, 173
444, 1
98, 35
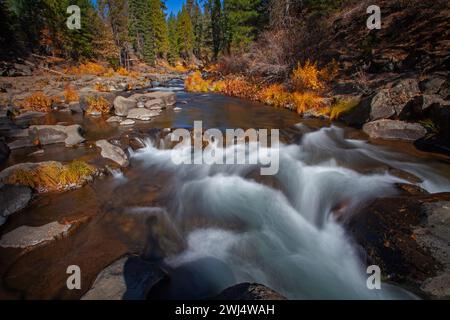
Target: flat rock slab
127, 122
26, 236
13, 199
129, 278
113, 153
142, 114
394, 129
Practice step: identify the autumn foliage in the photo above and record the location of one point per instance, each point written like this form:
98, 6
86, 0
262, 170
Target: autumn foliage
52, 176
97, 105
38, 101
70, 94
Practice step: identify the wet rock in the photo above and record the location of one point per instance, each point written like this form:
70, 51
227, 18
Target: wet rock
127, 122
75, 107
4, 151
155, 104
408, 237
26, 236
113, 153
360, 114
169, 98
49, 134
177, 109
389, 102
394, 129
142, 114
114, 119
122, 105
249, 291
129, 278
13, 199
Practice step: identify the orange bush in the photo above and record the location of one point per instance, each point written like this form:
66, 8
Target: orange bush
240, 87
88, 68
98, 105
307, 101
98, 86
70, 94
195, 83
38, 101
307, 76
275, 95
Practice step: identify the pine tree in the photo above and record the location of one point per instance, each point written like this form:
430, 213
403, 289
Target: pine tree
185, 33
217, 26
197, 24
241, 17
173, 53
158, 28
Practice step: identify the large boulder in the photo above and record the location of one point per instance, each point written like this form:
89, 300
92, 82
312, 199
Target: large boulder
420, 107
169, 98
49, 134
394, 130
142, 114
26, 236
390, 102
408, 238
13, 199
122, 105
249, 291
129, 278
113, 153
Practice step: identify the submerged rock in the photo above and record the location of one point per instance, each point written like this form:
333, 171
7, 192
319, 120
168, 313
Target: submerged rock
127, 122
394, 129
129, 278
249, 291
13, 199
113, 153
408, 237
4, 151
26, 236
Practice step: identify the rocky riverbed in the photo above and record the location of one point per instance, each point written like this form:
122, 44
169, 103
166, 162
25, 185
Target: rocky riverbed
96, 190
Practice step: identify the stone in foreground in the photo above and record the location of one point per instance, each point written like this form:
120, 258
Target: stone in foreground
249, 291
26, 236
129, 278
122, 105
13, 199
142, 114
113, 153
394, 129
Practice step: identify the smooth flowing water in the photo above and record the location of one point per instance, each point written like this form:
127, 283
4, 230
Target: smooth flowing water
213, 226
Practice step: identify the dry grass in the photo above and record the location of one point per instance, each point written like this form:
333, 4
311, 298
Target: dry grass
98, 105
38, 101
307, 77
70, 94
53, 176
127, 73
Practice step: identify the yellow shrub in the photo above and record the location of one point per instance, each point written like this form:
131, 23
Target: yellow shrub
97, 105
88, 68
70, 94
109, 73
52, 176
38, 101
275, 95
98, 86
342, 107
307, 76
218, 86
307, 101
195, 83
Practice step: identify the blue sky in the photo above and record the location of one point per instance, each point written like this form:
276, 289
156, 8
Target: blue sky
174, 6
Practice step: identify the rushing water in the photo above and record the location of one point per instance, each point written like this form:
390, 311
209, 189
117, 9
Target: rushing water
284, 231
